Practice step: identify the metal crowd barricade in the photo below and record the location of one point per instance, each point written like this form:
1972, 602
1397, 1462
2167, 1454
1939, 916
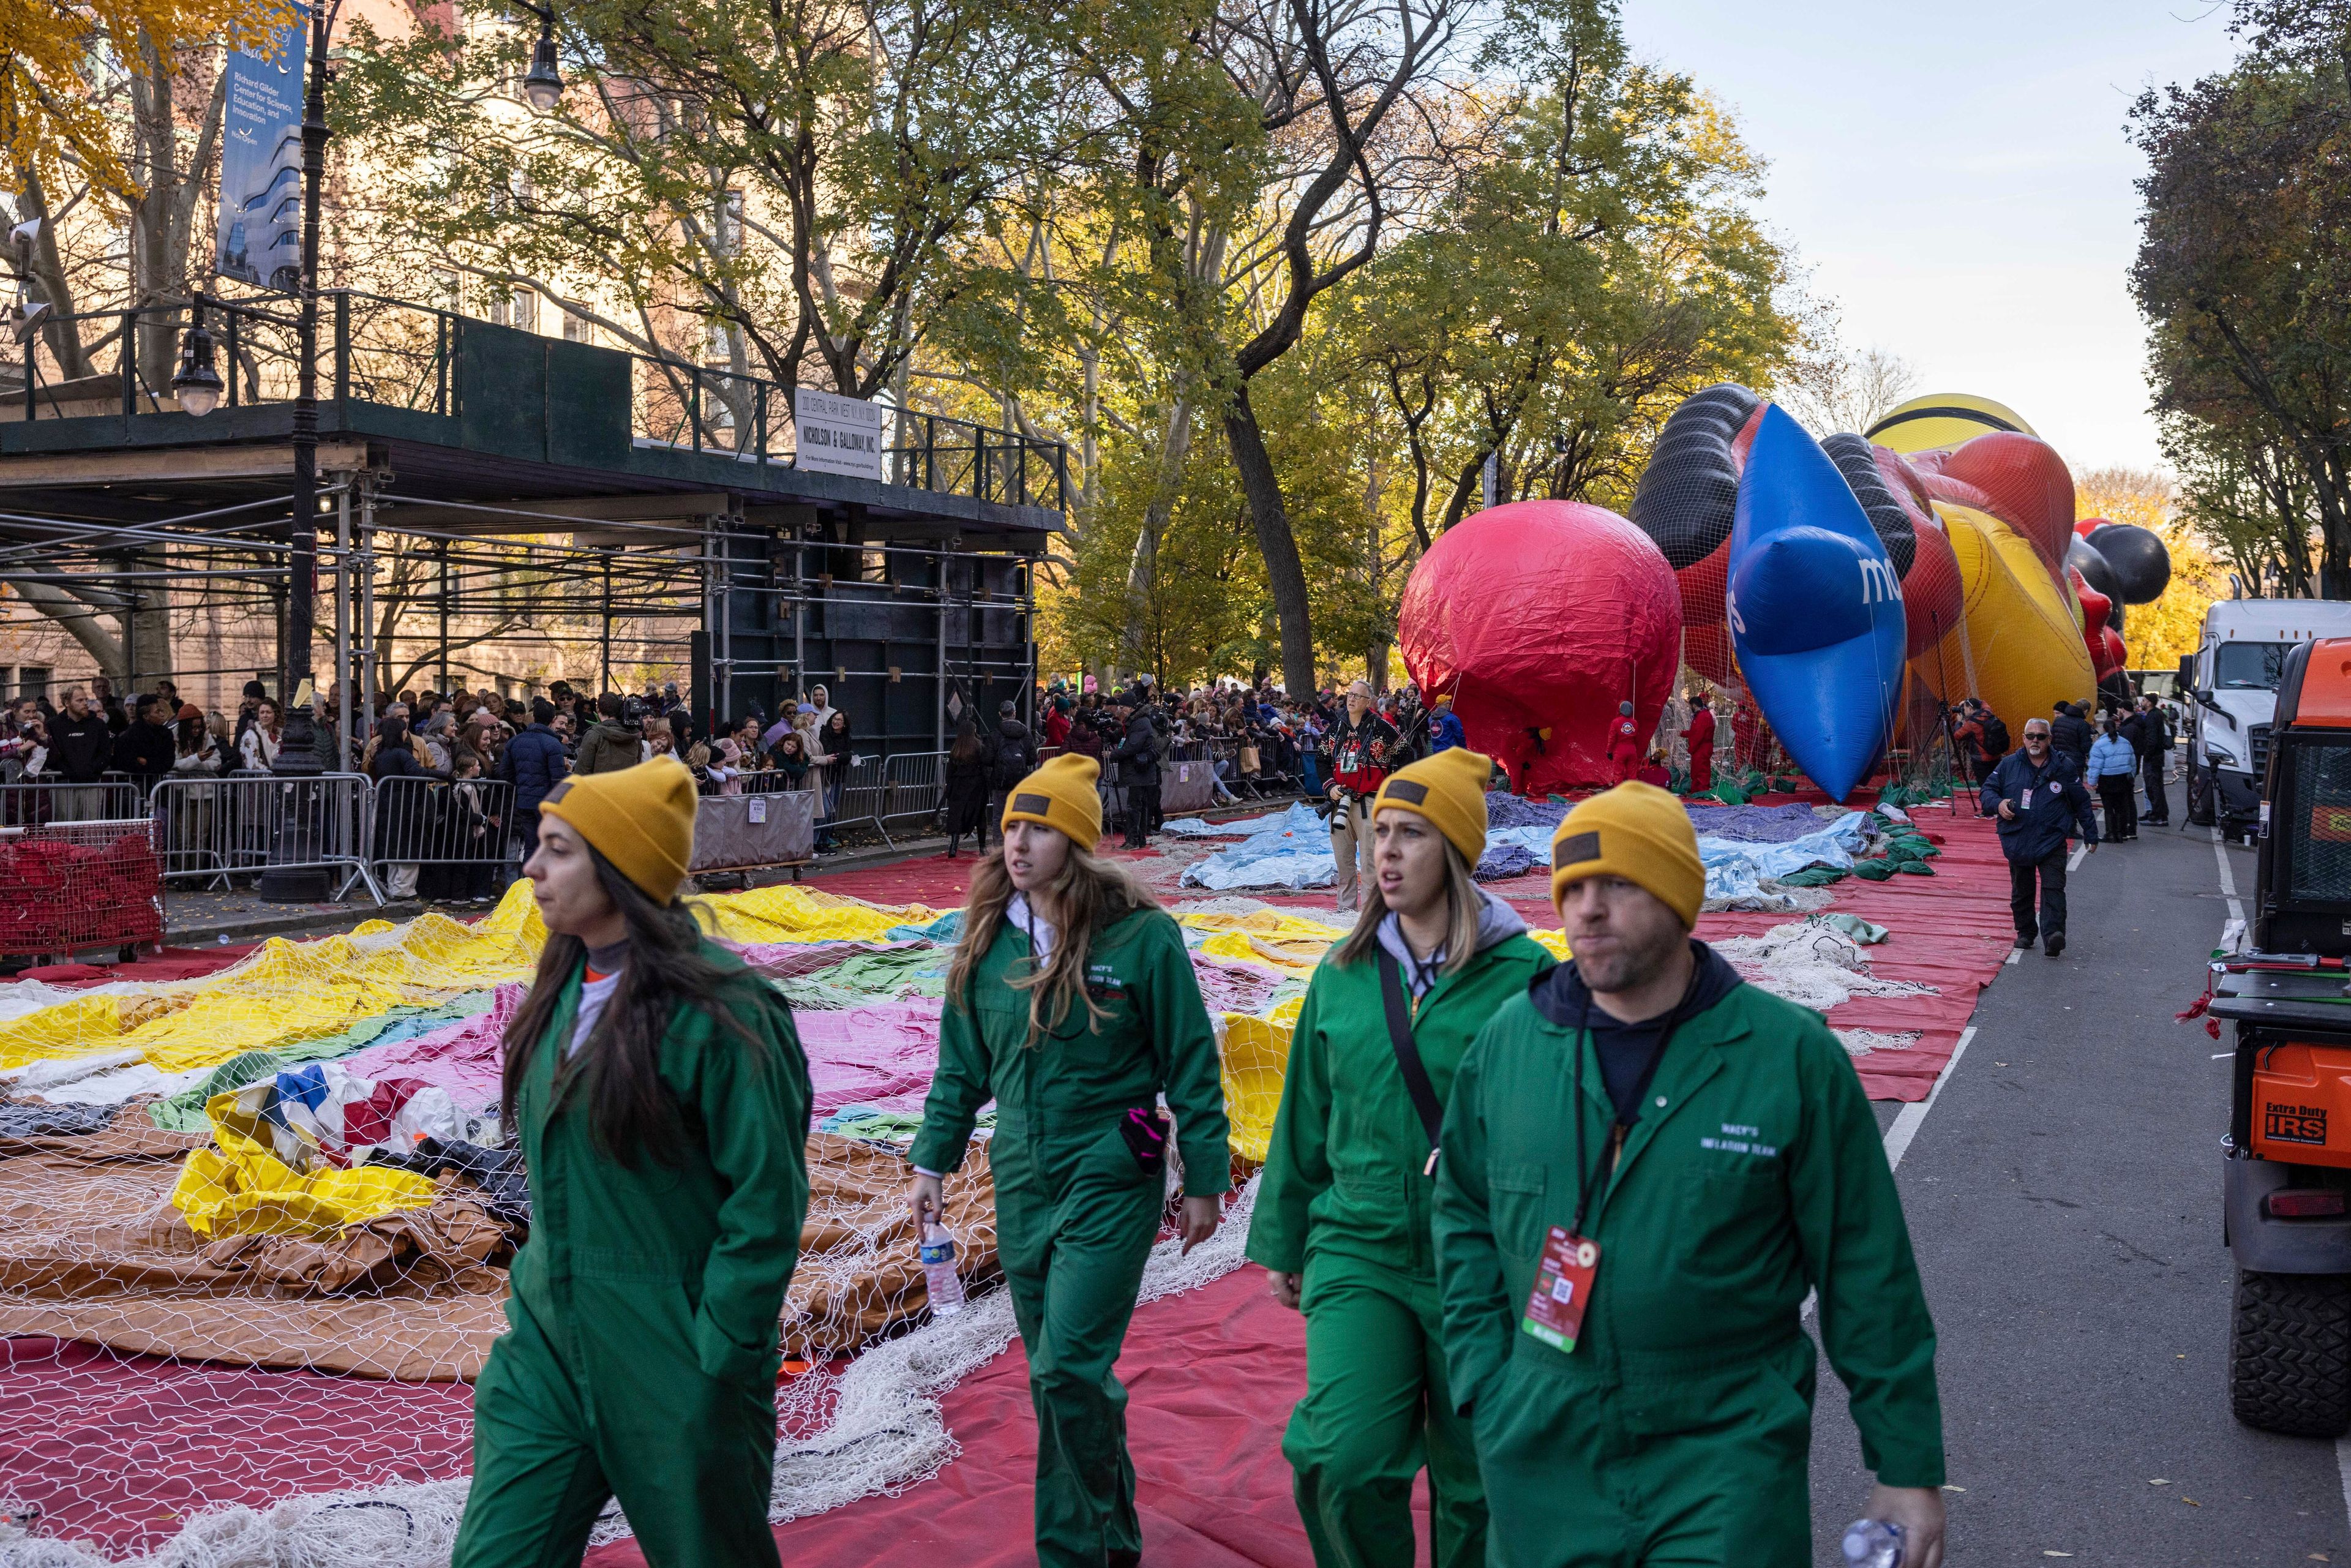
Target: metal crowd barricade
34, 803
863, 789
916, 785
210, 830
464, 827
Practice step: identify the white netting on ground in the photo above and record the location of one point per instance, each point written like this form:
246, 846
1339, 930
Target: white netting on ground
1812, 964
236, 1335
237, 1338
1860, 1042
870, 1428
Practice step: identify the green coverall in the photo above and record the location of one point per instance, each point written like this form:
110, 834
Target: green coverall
1344, 1201
1679, 1428
644, 1347
1075, 1213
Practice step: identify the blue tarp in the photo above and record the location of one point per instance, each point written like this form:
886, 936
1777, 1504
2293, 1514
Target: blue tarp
1290, 850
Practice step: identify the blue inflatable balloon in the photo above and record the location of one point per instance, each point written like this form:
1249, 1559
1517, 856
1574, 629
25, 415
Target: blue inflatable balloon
1815, 609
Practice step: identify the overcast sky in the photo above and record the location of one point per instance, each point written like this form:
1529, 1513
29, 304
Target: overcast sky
1958, 181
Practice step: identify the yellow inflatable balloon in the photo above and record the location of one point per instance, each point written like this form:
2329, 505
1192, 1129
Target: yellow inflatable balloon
1941, 420
2018, 645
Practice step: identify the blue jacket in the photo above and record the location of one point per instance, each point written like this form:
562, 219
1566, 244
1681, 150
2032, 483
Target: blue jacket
2111, 754
1444, 731
535, 761
2049, 801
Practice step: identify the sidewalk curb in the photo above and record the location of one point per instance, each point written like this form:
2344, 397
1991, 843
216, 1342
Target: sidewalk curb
302, 921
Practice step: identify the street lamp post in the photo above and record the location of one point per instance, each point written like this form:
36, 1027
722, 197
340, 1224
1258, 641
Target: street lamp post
299, 757
198, 386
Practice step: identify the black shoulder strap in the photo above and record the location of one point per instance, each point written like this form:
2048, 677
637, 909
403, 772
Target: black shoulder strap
1416, 1076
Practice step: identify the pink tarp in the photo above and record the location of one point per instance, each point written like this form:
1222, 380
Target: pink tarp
881, 1054
463, 1058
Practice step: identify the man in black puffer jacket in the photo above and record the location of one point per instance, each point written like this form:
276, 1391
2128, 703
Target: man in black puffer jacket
534, 763
2069, 734
1014, 756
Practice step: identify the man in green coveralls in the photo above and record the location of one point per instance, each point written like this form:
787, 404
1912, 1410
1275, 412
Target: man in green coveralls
1677, 1158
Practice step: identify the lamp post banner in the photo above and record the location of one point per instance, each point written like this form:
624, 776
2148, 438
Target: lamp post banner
837, 434
260, 239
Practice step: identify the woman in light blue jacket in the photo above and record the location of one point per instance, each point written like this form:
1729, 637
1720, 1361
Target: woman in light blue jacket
2111, 774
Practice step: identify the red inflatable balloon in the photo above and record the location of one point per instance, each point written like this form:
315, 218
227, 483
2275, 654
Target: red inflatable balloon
2029, 483
1544, 615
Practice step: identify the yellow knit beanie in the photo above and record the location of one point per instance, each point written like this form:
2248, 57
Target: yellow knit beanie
1060, 794
1449, 790
1639, 833
640, 818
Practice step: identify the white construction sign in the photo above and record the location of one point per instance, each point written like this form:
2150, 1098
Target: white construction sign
838, 434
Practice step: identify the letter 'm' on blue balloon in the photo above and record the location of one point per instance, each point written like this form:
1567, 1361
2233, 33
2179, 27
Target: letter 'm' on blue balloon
1815, 607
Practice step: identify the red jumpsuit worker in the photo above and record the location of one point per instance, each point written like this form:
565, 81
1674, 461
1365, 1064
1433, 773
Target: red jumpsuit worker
1624, 743
1700, 736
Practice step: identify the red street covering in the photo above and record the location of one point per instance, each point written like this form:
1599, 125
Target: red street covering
1212, 1375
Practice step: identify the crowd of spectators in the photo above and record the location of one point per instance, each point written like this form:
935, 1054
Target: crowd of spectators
1261, 743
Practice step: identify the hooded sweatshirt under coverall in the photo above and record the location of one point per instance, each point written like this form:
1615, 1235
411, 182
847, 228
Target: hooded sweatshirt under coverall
1677, 1430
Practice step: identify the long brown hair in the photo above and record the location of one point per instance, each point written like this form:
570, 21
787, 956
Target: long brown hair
618, 1067
1462, 907
1088, 896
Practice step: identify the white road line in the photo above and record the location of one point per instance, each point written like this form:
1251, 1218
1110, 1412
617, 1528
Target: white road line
2228, 878
2081, 852
2013, 954
2343, 1469
1908, 1121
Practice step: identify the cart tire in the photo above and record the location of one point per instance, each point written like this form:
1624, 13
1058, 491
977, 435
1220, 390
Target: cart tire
2290, 1353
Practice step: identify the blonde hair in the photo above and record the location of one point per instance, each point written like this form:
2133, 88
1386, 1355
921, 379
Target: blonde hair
1086, 896
1462, 907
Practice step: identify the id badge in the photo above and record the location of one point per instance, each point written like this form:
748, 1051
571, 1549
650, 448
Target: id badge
1562, 1289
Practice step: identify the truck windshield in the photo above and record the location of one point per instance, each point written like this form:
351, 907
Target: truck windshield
2249, 666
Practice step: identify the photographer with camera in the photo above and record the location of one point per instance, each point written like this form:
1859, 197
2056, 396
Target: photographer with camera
1360, 752
614, 741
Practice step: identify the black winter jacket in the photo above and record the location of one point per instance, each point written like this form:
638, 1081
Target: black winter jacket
1016, 753
145, 750
2072, 735
535, 762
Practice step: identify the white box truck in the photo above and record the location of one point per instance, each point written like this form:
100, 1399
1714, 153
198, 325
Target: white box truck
2230, 689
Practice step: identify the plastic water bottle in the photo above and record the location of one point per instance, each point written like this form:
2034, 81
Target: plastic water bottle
1872, 1544
939, 1271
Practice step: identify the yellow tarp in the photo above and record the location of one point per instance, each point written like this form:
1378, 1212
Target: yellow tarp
790, 913
240, 1188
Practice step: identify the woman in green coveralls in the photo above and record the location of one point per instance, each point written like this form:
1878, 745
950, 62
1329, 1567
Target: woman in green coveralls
1343, 1215
661, 1100
1071, 1001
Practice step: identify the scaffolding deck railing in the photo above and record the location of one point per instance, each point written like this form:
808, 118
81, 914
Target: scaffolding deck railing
397, 354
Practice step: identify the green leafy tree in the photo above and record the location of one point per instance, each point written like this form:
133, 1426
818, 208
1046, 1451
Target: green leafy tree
2244, 270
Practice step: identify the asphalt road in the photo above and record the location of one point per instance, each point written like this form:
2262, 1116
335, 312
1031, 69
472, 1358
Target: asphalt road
2063, 1195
